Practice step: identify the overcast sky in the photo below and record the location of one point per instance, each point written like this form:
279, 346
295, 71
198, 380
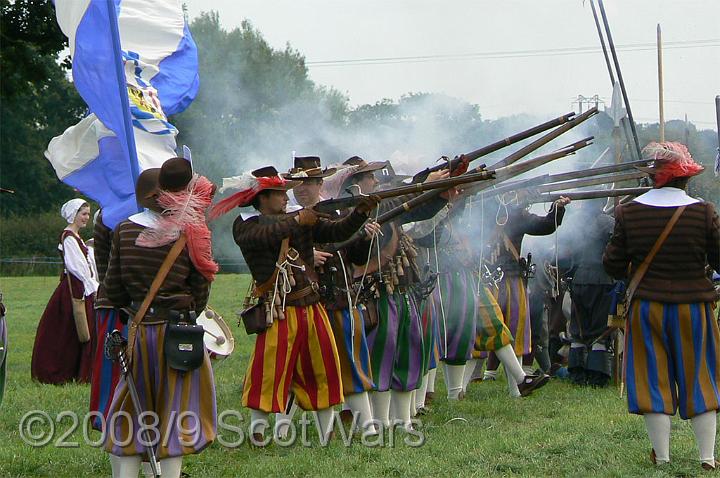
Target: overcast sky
473, 48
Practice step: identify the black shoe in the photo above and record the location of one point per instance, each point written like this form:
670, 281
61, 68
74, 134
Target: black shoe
597, 379
532, 383
578, 376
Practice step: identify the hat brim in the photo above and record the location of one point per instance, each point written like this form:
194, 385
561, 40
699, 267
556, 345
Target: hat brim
323, 174
371, 167
653, 170
289, 184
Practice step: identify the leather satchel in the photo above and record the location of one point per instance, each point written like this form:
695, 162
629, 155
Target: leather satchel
79, 314
253, 319
183, 344
253, 316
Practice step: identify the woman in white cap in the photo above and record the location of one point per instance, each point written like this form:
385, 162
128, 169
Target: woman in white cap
63, 350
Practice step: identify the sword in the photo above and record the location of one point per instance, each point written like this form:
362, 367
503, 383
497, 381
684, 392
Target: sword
115, 345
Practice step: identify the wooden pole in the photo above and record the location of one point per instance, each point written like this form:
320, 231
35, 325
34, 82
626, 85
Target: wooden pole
660, 83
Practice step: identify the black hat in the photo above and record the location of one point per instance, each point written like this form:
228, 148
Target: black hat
146, 187
270, 172
175, 174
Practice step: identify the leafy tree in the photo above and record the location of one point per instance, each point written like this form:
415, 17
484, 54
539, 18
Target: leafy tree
37, 102
255, 104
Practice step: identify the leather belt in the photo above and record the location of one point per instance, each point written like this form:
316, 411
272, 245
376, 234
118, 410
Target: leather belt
302, 293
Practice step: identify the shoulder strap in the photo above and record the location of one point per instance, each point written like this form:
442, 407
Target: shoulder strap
261, 289
154, 288
640, 273
510, 246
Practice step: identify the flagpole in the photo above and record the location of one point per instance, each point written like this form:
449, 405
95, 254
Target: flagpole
122, 93
613, 52
660, 83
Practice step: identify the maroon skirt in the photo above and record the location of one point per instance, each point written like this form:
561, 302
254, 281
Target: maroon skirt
58, 356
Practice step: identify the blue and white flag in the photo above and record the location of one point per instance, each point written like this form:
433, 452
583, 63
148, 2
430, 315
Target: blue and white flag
131, 80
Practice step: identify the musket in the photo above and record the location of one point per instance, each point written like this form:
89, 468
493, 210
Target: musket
585, 173
331, 205
581, 195
115, 346
593, 181
501, 175
543, 140
491, 148
505, 170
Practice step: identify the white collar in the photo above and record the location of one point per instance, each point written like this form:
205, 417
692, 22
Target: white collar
666, 197
146, 218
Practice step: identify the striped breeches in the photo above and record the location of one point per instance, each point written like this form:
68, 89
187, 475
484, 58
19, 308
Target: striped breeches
299, 354
671, 359
491, 332
513, 301
352, 350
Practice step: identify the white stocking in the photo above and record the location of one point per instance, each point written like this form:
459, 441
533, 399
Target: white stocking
420, 393
431, 381
125, 466
359, 404
284, 420
381, 407
400, 407
512, 384
506, 356
258, 422
658, 428
705, 427
325, 421
170, 467
468, 373
454, 379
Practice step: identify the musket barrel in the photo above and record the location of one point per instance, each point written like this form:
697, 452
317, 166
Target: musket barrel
330, 205
594, 181
586, 173
505, 162
581, 195
513, 170
491, 148
543, 140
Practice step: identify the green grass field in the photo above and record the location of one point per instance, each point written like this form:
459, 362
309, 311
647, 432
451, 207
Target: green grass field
559, 431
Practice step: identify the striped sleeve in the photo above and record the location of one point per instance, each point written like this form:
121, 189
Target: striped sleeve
102, 236
713, 238
252, 234
327, 232
616, 258
199, 288
113, 284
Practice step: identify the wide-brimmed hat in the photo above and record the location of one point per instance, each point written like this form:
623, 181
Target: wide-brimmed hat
669, 160
308, 167
249, 185
147, 186
271, 173
388, 178
363, 166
